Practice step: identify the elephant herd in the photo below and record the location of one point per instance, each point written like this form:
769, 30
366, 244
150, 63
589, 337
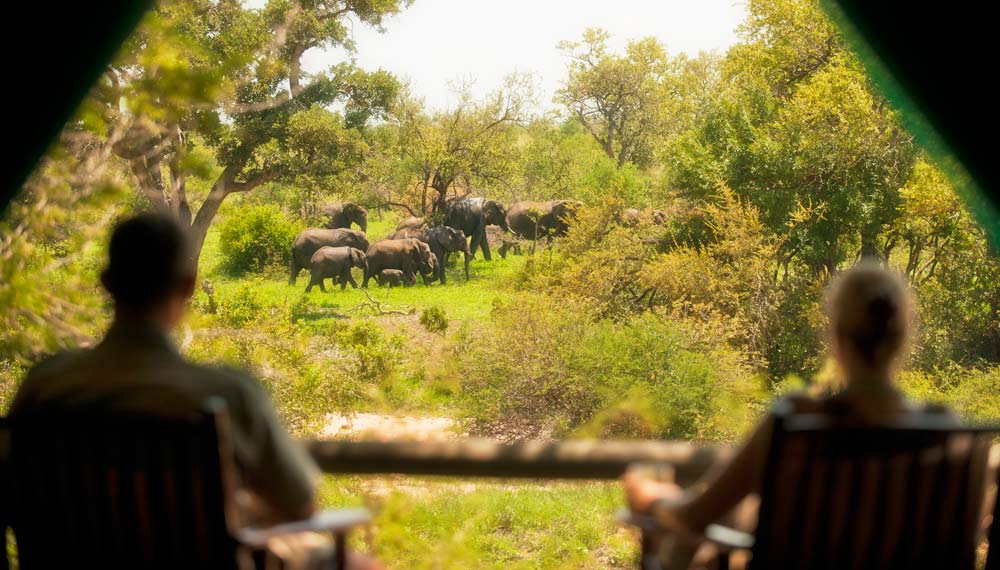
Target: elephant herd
418, 248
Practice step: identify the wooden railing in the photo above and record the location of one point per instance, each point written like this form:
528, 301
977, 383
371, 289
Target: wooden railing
580, 459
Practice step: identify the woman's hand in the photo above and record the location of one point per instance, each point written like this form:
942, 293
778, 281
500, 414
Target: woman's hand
641, 493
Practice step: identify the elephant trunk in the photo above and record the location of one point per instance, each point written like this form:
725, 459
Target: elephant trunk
468, 257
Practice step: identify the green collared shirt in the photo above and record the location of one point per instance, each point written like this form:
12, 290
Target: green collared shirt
138, 369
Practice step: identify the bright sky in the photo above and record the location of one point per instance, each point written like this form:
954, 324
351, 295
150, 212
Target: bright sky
436, 42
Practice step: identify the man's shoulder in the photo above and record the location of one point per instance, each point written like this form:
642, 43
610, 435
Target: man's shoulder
55, 366
222, 377
57, 363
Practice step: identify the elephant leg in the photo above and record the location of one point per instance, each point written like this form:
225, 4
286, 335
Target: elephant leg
475, 242
312, 282
443, 267
368, 275
350, 279
479, 237
322, 287
294, 271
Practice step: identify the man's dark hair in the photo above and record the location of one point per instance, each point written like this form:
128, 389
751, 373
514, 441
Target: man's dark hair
149, 258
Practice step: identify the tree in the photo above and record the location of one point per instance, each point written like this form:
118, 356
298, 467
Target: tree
933, 224
473, 143
619, 99
801, 133
231, 78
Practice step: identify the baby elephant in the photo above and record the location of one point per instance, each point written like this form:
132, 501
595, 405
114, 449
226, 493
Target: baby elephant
395, 278
336, 263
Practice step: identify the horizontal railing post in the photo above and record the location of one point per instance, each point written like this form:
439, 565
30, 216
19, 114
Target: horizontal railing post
577, 459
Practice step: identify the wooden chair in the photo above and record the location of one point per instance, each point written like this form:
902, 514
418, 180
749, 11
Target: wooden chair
129, 491
906, 495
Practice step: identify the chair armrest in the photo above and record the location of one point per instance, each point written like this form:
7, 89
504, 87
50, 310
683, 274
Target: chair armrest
333, 521
645, 523
728, 538
721, 536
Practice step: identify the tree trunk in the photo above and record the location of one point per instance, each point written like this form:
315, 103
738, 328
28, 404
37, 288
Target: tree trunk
869, 245
223, 187
175, 203
441, 200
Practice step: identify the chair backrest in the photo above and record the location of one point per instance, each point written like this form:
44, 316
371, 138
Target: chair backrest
120, 491
903, 495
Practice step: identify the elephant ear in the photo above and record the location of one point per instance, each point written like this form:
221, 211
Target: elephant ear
442, 235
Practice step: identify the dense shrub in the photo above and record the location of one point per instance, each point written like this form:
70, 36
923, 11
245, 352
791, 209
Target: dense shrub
960, 388
243, 306
373, 354
548, 367
256, 237
10, 378
598, 260
306, 384
434, 319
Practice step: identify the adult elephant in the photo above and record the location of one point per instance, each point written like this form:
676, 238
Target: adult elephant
411, 223
443, 241
307, 242
335, 263
410, 255
630, 217
533, 220
343, 214
472, 215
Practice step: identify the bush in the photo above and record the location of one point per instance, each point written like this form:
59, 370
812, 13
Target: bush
244, 306
10, 378
434, 320
305, 380
256, 237
548, 367
373, 354
958, 387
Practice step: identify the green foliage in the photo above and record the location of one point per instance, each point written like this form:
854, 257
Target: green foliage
10, 378
960, 388
434, 319
801, 134
619, 98
304, 383
255, 238
472, 143
242, 307
544, 368
489, 525
51, 252
373, 353
224, 77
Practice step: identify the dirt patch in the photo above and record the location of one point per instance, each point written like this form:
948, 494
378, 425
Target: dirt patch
385, 427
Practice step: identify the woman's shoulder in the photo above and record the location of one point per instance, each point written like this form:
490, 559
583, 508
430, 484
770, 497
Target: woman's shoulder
936, 411
836, 405
802, 403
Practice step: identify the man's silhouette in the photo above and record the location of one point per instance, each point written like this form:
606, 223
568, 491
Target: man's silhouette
136, 368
